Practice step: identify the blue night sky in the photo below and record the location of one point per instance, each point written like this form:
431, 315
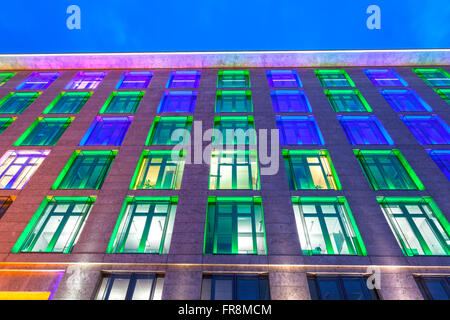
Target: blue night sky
30, 26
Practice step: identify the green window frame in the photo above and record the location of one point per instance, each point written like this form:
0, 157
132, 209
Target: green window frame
44, 132
17, 102
233, 79
433, 76
347, 101
444, 94
85, 170
326, 225
234, 131
123, 102
56, 225
387, 170
418, 225
68, 102
334, 78
163, 128
233, 101
144, 225
5, 123
235, 225
4, 77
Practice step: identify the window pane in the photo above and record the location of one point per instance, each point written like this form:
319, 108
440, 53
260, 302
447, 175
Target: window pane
143, 289
107, 131
290, 101
119, 289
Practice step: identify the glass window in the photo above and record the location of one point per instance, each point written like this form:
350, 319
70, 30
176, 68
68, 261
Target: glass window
235, 225
347, 101
233, 79
310, 169
299, 130
442, 159
145, 225
18, 166
106, 131
38, 81
123, 102
234, 101
429, 129
434, 76
184, 79
434, 287
68, 102
178, 101
364, 130
17, 102
385, 77
290, 101
405, 100
130, 286
170, 131
5, 76
444, 93
85, 170
44, 132
135, 80
283, 78
5, 123
86, 80
340, 287
234, 131
5, 202
235, 287
418, 224
334, 78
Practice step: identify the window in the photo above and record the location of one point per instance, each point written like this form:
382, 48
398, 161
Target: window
364, 130
4, 77
178, 101
442, 159
340, 287
18, 166
334, 78
86, 80
310, 169
235, 287
5, 202
434, 77
38, 81
85, 170
430, 129
326, 226
347, 101
106, 131
290, 101
233, 79
418, 224
68, 102
170, 131
145, 225
234, 101
184, 79
387, 169
235, 225
283, 78
234, 131
385, 78
123, 102
434, 287
44, 132
17, 102
299, 130
56, 225
6, 122
131, 286
159, 170
234, 169
405, 100
135, 80
444, 93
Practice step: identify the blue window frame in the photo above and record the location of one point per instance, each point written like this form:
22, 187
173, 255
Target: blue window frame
434, 287
299, 130
385, 78
135, 80
283, 78
405, 100
340, 287
86, 80
235, 287
106, 131
290, 101
38, 81
364, 130
178, 101
184, 79
442, 159
131, 286
429, 129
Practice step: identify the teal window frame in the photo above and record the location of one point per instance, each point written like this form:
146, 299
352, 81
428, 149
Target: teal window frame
44, 132
424, 74
234, 131
5, 76
233, 79
68, 102
5, 123
132, 102
444, 94
347, 101
233, 101
17, 102
327, 77
162, 129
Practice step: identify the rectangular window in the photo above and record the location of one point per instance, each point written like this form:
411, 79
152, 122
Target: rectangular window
17, 102
430, 129
385, 78
234, 169
434, 76
325, 225
235, 225
405, 100
6, 122
44, 132
144, 225
442, 159
131, 286
68, 102
135, 80
123, 102
159, 170
234, 131
364, 130
85, 170
18, 166
38, 81
235, 287
170, 131
347, 101
234, 101
283, 78
233, 79
387, 169
290, 101
86, 80
434, 287
4, 77
334, 78
340, 287
5, 202
56, 225
418, 224
299, 130
178, 101
310, 169
106, 131
184, 79
444, 93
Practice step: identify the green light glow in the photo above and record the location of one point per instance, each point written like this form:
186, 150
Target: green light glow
44, 132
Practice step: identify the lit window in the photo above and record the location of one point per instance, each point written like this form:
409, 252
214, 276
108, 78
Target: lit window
131, 286
85, 170
234, 101
235, 287
123, 102
159, 170
334, 78
444, 93
430, 129
364, 130
44, 132
310, 169
387, 169
235, 225
442, 159
405, 100
144, 225
135, 80
233, 79
17, 102
434, 77
184, 79
234, 131
340, 287
418, 224
68, 102
299, 130
56, 225
234, 169
283, 78
347, 101
385, 78
178, 101
38, 81
86, 80
4, 77
18, 166
434, 287
5, 202
106, 131
290, 101
5, 123
170, 131
326, 226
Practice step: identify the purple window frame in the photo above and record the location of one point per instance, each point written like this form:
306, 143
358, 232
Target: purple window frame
385, 78
283, 78
428, 129
178, 101
184, 79
106, 131
299, 130
404, 100
289, 101
93, 79
38, 81
135, 80
364, 130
